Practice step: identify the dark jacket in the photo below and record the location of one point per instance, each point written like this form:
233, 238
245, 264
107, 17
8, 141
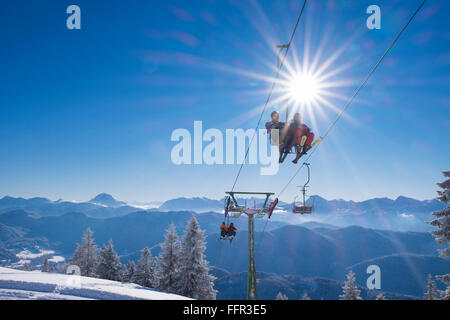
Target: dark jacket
274, 125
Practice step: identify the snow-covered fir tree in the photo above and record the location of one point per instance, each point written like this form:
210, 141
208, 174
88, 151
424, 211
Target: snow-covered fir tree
109, 266
86, 255
445, 295
144, 274
305, 296
168, 262
432, 290
195, 280
281, 296
45, 265
442, 235
128, 274
351, 291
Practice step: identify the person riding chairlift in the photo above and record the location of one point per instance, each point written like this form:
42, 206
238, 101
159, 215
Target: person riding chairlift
275, 123
296, 132
231, 231
223, 230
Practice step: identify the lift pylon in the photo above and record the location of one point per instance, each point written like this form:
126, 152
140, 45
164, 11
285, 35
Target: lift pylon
236, 211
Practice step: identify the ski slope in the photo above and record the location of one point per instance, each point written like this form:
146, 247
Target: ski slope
33, 285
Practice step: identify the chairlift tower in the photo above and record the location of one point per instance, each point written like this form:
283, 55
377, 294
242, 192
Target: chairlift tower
236, 211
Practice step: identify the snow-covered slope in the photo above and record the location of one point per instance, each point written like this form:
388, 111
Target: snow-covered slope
17, 284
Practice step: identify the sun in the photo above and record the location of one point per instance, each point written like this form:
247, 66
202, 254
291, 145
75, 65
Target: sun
303, 88
309, 82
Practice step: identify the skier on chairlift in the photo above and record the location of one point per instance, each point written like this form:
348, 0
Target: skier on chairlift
223, 230
275, 123
300, 136
280, 126
231, 231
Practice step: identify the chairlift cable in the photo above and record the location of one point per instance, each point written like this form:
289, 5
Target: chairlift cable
355, 94
270, 92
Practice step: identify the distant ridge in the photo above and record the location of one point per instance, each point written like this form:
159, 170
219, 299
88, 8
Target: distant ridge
101, 206
401, 214
107, 200
194, 204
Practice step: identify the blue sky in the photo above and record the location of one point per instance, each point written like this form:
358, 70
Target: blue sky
92, 110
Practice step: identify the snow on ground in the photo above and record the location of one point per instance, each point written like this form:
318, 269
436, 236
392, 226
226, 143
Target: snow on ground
34, 256
28, 255
16, 294
30, 285
56, 259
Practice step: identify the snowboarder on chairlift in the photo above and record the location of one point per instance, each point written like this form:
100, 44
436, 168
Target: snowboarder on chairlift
223, 230
231, 231
299, 135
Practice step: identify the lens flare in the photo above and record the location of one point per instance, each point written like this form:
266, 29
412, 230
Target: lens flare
304, 88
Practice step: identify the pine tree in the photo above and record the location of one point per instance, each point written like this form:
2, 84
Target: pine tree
305, 296
281, 296
432, 291
86, 255
168, 262
351, 291
442, 235
144, 274
129, 272
109, 266
45, 265
445, 295
195, 280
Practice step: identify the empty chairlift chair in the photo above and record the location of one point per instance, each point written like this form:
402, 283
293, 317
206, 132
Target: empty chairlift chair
303, 208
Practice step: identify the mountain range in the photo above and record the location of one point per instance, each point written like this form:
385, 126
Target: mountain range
406, 257
101, 206
130, 233
401, 214
312, 251
233, 287
289, 248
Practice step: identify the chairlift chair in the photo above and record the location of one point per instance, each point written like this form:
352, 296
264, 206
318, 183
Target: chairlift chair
303, 209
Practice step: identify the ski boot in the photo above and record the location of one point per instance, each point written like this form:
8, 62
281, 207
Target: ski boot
298, 155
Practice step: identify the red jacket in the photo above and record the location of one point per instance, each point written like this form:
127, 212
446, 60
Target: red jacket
298, 130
